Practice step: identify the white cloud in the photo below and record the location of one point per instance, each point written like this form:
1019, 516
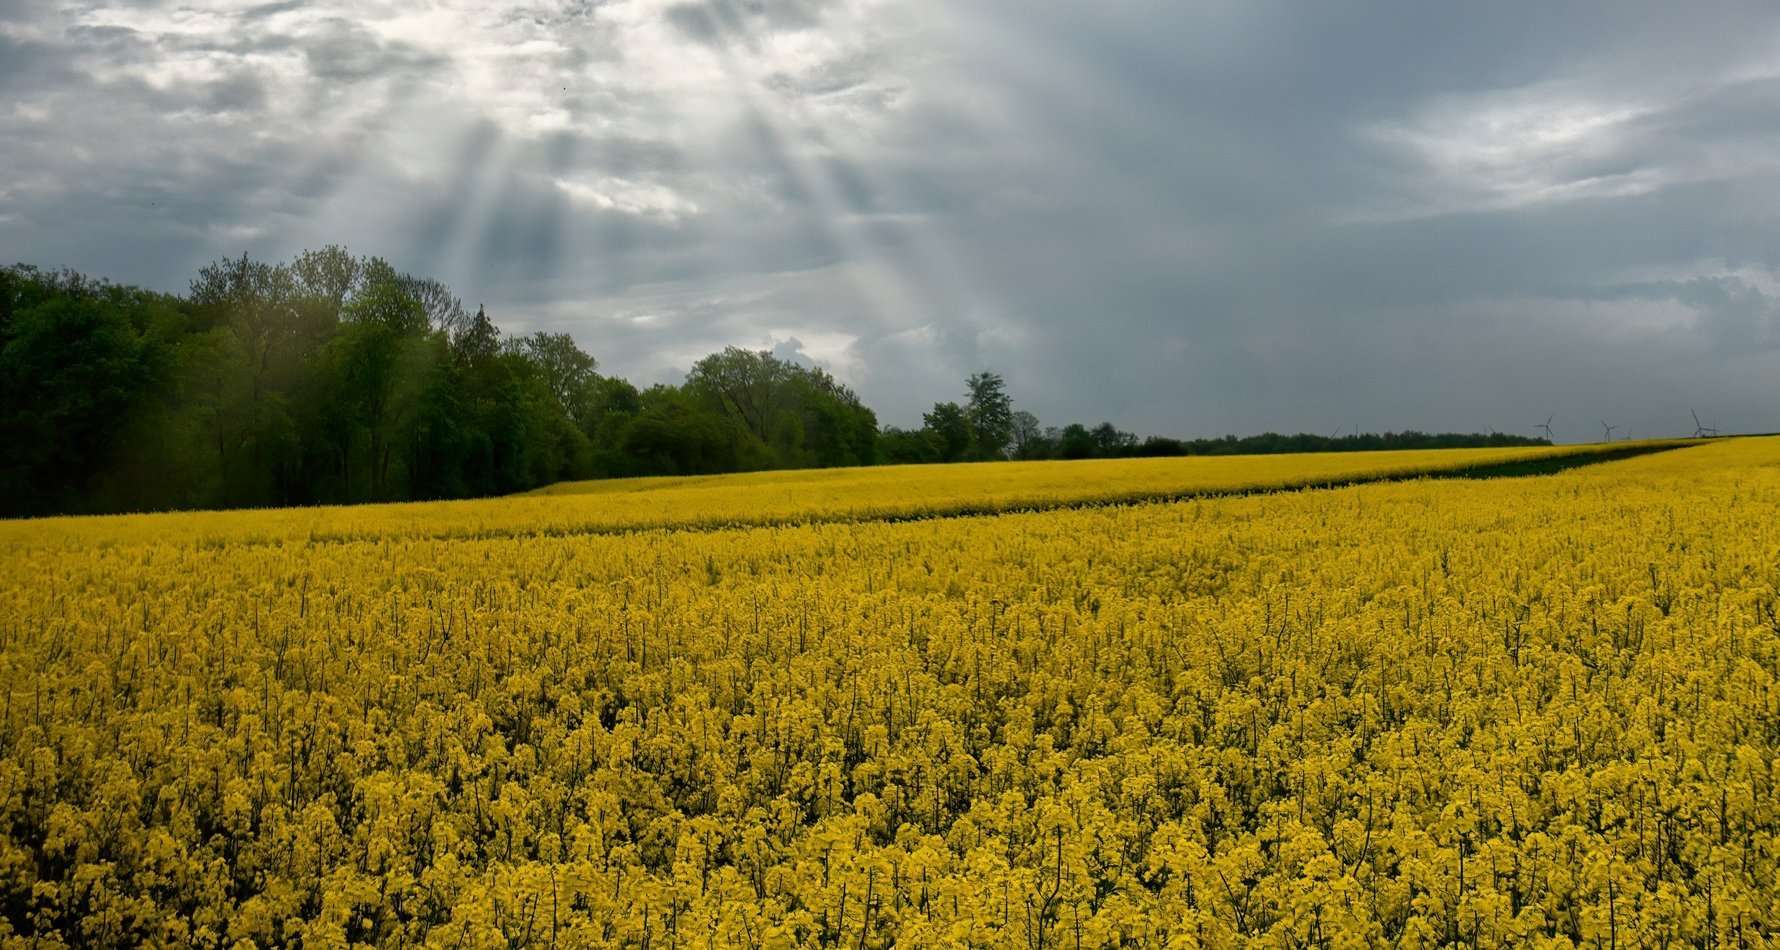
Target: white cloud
1515, 148
1610, 133
629, 197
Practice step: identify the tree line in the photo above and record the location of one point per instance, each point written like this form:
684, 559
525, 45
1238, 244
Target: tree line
334, 378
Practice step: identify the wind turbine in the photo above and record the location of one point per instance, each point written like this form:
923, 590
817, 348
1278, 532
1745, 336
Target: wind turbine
1546, 425
1608, 429
1700, 429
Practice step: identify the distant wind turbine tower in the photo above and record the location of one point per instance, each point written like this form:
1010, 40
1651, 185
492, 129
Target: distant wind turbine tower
1700, 429
1546, 425
1608, 430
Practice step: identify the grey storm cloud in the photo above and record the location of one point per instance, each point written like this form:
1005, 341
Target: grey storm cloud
1188, 218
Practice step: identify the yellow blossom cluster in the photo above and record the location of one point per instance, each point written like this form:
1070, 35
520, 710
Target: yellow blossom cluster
1510, 712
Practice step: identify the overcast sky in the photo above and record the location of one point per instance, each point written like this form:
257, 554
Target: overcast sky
1190, 218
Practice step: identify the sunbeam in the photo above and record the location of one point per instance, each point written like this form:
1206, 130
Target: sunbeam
897, 294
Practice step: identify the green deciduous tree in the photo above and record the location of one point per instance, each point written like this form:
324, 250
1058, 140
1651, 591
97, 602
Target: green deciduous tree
328, 275
836, 428
567, 371
81, 364
1028, 438
381, 359
1075, 442
949, 424
753, 386
991, 414
674, 434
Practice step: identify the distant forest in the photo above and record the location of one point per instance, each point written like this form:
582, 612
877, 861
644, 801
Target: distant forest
337, 379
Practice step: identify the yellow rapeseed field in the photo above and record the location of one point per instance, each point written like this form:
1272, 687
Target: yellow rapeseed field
781, 497
1514, 712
